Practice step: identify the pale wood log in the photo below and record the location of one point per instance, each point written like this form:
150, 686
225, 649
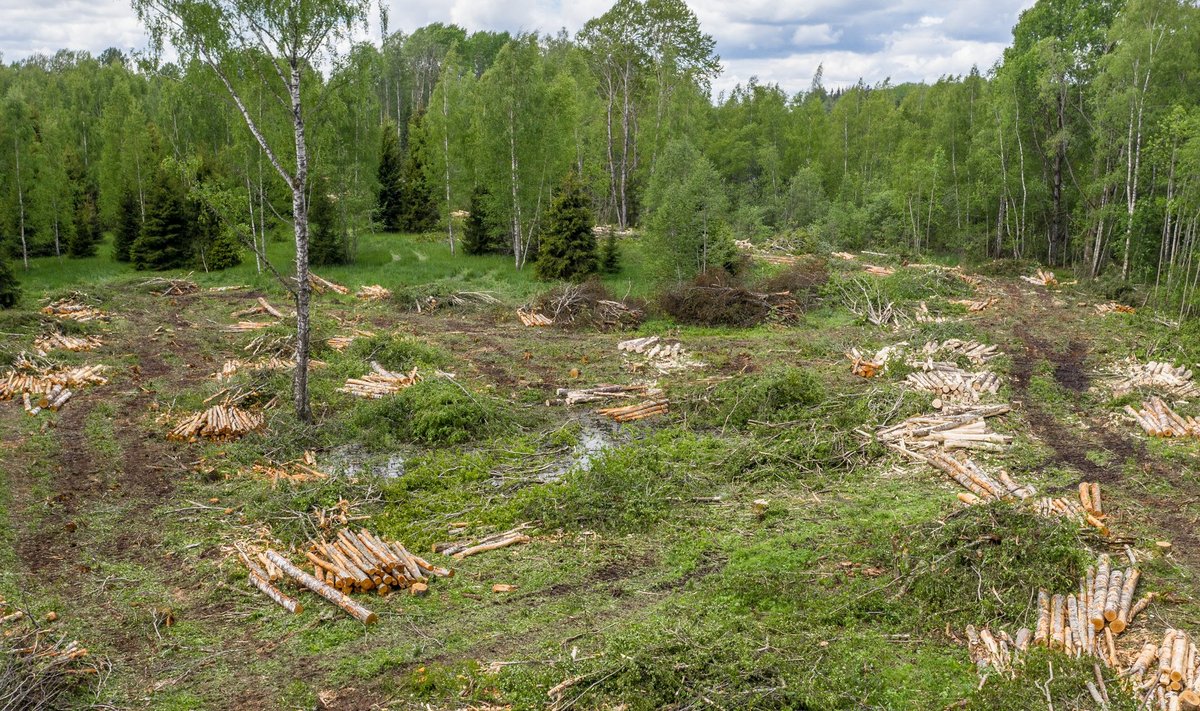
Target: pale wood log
261, 580
1097, 507
1042, 634
1126, 605
1112, 599
1099, 594
503, 543
1057, 608
1179, 649
354, 609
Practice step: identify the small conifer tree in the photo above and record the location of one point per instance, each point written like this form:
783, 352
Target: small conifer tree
568, 247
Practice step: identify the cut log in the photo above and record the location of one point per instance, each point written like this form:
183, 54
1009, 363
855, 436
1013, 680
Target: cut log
352, 608
483, 547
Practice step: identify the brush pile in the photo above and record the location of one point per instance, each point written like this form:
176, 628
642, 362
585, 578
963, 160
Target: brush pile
221, 422
294, 472
973, 351
530, 317
588, 304
374, 292
975, 306
321, 286
640, 411
247, 326
72, 310
1113, 307
464, 549
380, 382
1042, 278
341, 343
261, 307
1166, 377
606, 392
39, 670
171, 287
1087, 510
458, 298
953, 384
953, 428
58, 341
1159, 420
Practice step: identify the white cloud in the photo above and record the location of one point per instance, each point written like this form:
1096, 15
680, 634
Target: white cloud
779, 41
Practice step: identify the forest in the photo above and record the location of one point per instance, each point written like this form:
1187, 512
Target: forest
1077, 149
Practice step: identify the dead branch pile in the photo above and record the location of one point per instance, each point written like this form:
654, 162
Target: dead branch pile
295, 472
588, 304
879, 271
38, 672
716, 298
1113, 307
172, 287
458, 298
870, 367
533, 318
380, 382
221, 422
923, 315
951, 383
247, 326
374, 292
463, 549
72, 310
1087, 510
953, 428
868, 303
1159, 420
341, 343
48, 387
663, 357
973, 351
640, 411
1042, 278
52, 341
223, 289
605, 392
261, 307
321, 286
1176, 381
974, 306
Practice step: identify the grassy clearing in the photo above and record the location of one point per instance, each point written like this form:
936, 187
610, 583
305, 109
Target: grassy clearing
652, 582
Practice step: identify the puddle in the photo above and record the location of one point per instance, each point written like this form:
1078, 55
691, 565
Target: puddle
595, 437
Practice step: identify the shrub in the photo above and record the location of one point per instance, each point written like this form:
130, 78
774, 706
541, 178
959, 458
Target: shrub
399, 353
10, 288
433, 412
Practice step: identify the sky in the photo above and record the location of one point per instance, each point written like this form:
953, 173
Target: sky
777, 41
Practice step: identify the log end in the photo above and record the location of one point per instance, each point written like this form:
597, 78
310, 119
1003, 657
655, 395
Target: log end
1117, 626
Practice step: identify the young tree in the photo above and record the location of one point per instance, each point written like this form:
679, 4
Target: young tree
10, 288
390, 206
329, 242
418, 208
86, 237
292, 34
129, 226
685, 205
479, 237
610, 254
568, 248
165, 241
215, 244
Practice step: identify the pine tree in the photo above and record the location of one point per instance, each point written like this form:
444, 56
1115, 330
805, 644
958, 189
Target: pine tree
327, 242
610, 254
419, 210
10, 288
84, 240
391, 181
478, 236
129, 226
165, 239
568, 248
225, 251
219, 247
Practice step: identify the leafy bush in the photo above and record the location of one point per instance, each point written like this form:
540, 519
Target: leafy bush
430, 412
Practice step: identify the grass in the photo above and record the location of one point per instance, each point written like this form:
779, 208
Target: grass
651, 581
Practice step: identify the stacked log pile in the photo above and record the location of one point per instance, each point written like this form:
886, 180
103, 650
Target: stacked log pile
72, 310
247, 326
953, 384
662, 356
58, 341
865, 367
1168, 674
605, 392
1167, 377
294, 472
380, 382
262, 306
362, 562
321, 286
1087, 510
341, 343
221, 422
640, 411
973, 351
844, 256
975, 306
1113, 307
1042, 278
48, 388
463, 549
530, 317
1159, 420
953, 428
374, 292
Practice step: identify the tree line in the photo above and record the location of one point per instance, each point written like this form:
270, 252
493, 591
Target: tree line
1079, 148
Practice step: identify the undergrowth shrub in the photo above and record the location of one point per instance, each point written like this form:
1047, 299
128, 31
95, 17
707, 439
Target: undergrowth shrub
914, 284
433, 412
777, 395
399, 353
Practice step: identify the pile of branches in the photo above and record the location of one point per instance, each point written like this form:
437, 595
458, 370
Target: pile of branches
589, 304
247, 326
975, 306
273, 346
341, 343
37, 672
233, 366
321, 286
865, 301
295, 472
430, 302
715, 299
374, 292
262, 306
171, 287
